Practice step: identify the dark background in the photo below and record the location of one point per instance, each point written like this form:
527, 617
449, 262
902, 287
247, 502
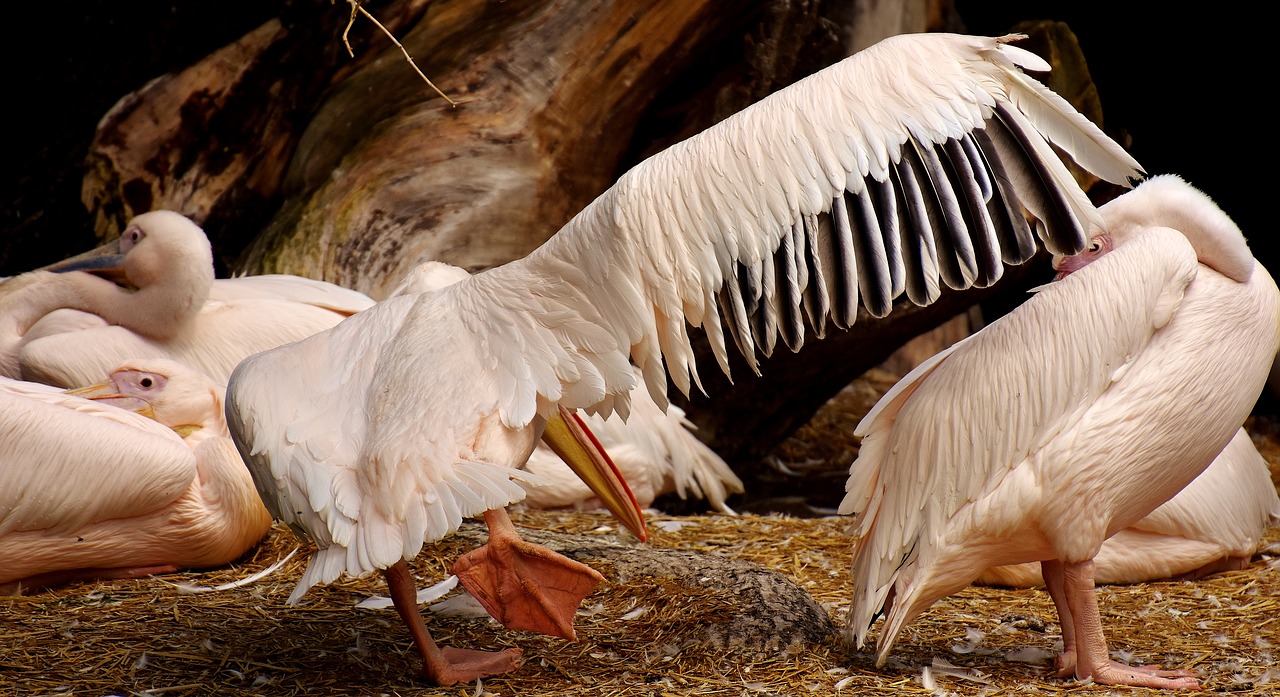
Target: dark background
1187, 82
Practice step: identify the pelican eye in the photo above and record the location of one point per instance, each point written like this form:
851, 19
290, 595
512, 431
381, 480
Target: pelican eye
131, 236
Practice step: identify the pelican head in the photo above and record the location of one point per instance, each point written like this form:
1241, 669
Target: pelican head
166, 391
161, 268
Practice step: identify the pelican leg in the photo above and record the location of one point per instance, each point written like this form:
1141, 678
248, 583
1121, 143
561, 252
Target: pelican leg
1065, 663
1090, 646
442, 665
523, 585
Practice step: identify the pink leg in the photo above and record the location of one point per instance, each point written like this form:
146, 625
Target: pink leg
523, 585
1091, 656
1052, 571
447, 665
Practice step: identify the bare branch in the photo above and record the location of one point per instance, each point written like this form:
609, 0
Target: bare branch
357, 8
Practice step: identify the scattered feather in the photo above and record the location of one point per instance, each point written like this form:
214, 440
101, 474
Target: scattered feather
187, 588
670, 525
1030, 654
636, 613
462, 605
425, 595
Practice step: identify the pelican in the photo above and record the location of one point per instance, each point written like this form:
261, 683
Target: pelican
907, 166
90, 487
152, 294
1065, 422
656, 452
1215, 524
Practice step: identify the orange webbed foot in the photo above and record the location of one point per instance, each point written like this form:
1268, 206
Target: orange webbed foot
523, 585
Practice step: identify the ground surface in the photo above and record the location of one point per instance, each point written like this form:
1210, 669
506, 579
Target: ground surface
638, 635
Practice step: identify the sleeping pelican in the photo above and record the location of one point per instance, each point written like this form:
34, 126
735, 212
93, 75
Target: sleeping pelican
152, 294
902, 168
1215, 524
656, 452
1065, 422
89, 489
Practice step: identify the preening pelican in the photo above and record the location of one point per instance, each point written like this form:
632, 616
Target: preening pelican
152, 294
1065, 422
904, 167
655, 451
1215, 524
89, 489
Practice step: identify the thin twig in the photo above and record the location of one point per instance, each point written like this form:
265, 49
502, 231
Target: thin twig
357, 8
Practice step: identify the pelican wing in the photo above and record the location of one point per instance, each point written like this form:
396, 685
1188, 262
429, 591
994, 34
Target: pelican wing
297, 289
69, 461
952, 430
910, 165
324, 441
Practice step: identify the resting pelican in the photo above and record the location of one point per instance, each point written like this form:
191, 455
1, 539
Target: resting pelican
1065, 422
152, 294
89, 489
1215, 524
906, 166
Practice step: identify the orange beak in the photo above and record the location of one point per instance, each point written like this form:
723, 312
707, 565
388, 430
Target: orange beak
569, 437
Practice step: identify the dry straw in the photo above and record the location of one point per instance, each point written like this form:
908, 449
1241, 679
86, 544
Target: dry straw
656, 632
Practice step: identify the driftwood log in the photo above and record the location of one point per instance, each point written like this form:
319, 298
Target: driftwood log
298, 157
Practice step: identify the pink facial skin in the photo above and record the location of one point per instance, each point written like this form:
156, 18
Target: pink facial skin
1098, 246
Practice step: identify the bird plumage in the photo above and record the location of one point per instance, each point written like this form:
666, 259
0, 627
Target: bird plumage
1214, 524
90, 488
1067, 420
152, 294
906, 167
656, 451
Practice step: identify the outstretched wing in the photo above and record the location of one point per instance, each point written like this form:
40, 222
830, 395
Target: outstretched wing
910, 165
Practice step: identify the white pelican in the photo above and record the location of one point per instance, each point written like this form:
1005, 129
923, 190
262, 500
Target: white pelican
656, 452
1064, 422
152, 294
1214, 524
92, 490
903, 167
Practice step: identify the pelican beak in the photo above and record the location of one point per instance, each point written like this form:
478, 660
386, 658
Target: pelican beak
570, 438
109, 393
105, 261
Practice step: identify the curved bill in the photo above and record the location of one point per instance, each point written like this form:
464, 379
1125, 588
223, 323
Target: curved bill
108, 392
105, 261
570, 438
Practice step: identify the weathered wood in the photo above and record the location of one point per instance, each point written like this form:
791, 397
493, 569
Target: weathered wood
552, 97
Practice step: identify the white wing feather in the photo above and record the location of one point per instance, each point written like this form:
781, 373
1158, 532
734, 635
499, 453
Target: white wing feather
898, 468
655, 250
